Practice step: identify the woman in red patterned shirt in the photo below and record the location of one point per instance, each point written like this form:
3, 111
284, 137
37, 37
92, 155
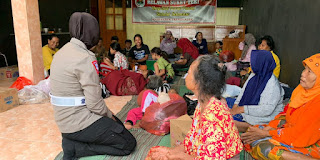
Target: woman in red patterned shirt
213, 134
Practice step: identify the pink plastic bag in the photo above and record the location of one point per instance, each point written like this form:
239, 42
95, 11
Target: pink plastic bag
231, 66
156, 119
21, 82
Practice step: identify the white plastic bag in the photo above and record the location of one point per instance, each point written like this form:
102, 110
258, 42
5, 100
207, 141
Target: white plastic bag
32, 95
44, 86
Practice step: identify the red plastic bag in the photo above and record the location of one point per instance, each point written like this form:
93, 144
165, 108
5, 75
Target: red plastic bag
21, 82
156, 119
226, 56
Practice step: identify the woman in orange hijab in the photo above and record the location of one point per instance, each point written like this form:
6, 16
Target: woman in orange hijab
294, 133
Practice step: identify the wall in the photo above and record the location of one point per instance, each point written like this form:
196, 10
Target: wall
294, 26
7, 46
151, 33
56, 14
53, 14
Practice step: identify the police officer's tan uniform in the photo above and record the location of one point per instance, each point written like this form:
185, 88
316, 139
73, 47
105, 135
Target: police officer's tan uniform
88, 127
73, 74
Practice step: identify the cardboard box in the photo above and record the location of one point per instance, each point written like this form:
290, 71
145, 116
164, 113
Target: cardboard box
10, 73
179, 128
8, 98
3, 71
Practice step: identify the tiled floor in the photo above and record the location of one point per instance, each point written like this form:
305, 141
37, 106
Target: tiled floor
28, 132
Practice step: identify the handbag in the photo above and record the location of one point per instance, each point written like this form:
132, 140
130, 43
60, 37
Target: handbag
191, 104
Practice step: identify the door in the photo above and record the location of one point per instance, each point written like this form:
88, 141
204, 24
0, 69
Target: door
112, 18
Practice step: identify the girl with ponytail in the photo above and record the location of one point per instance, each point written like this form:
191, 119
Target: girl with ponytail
163, 66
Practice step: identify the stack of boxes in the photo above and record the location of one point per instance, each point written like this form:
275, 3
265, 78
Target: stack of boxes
8, 96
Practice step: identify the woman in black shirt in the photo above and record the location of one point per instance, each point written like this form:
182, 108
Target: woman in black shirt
140, 52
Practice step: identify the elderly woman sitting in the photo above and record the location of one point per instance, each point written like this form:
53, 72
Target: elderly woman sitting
260, 100
294, 132
213, 134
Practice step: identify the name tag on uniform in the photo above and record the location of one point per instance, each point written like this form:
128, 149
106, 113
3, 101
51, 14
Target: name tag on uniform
96, 66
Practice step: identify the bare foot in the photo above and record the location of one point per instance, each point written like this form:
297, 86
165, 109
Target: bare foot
137, 125
128, 125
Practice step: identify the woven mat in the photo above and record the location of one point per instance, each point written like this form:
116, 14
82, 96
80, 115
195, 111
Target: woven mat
144, 139
179, 85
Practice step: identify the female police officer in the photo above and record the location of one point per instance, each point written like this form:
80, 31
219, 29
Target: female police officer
88, 127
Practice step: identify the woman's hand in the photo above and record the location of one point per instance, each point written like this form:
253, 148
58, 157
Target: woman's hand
93, 48
106, 60
159, 153
131, 60
236, 109
172, 38
179, 148
165, 153
253, 134
221, 65
244, 71
179, 61
267, 128
179, 156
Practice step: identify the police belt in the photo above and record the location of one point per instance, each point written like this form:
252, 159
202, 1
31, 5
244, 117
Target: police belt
67, 101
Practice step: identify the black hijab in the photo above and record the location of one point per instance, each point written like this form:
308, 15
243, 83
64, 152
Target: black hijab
84, 27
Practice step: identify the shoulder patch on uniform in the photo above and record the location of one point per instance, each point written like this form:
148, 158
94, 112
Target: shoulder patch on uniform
96, 66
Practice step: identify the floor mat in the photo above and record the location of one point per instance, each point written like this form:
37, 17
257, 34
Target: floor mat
179, 85
144, 139
165, 141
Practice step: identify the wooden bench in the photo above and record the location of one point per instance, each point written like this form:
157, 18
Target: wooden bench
231, 44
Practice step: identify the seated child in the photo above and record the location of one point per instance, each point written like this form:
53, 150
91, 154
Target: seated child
158, 85
218, 47
146, 98
162, 67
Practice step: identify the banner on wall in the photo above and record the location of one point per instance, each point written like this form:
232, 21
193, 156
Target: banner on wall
173, 11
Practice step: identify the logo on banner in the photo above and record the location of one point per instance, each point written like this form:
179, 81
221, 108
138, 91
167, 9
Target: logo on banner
140, 3
95, 64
